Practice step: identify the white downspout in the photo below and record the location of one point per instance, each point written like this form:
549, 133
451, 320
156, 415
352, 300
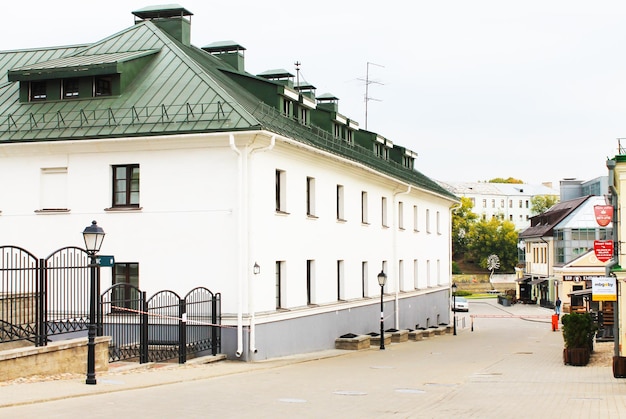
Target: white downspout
240, 238
395, 254
251, 278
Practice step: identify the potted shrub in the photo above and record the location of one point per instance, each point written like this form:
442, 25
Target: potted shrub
578, 331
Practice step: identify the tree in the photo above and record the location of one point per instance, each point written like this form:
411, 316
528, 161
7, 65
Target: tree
462, 220
507, 180
494, 236
542, 203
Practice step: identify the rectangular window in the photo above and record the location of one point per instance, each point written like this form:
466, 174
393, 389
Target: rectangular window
383, 203
53, 188
401, 215
126, 185
364, 217
510, 203
520, 203
310, 196
428, 221
401, 274
341, 291
340, 215
502, 203
281, 192
310, 281
337, 129
280, 281
126, 274
70, 88
493, 203
37, 91
349, 136
428, 283
102, 86
415, 218
304, 120
364, 289
526, 203
415, 274
438, 222
484, 203
287, 107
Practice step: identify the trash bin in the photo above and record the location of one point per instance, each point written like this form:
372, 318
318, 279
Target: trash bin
555, 322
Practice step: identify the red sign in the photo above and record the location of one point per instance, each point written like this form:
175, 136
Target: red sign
604, 214
603, 249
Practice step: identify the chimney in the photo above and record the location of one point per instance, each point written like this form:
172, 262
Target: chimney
170, 18
228, 51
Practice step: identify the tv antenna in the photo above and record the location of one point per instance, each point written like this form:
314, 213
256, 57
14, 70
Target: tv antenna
367, 87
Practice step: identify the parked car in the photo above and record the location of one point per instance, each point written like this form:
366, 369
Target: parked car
460, 304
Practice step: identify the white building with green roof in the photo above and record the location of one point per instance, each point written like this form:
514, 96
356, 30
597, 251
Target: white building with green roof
198, 170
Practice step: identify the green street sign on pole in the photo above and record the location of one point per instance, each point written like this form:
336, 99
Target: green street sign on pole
106, 261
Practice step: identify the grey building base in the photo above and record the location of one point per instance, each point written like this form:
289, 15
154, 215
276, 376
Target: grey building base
318, 332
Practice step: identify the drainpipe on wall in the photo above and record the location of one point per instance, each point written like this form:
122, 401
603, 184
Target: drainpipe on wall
241, 268
251, 278
610, 164
395, 255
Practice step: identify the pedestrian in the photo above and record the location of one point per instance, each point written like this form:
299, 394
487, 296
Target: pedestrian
557, 306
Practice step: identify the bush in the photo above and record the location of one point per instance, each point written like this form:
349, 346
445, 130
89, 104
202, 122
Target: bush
456, 270
578, 330
462, 293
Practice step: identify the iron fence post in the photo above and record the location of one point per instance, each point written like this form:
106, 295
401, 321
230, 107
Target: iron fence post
143, 340
182, 331
41, 338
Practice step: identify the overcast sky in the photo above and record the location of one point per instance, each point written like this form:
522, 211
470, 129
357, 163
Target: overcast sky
532, 89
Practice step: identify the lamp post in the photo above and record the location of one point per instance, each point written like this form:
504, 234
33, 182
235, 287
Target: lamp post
93, 236
382, 278
256, 269
454, 307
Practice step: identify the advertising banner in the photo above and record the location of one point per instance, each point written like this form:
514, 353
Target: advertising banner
603, 289
603, 249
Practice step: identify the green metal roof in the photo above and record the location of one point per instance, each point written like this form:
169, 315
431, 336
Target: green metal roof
180, 89
77, 64
223, 46
162, 11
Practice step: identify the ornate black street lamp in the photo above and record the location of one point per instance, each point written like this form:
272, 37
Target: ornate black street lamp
454, 306
93, 236
382, 278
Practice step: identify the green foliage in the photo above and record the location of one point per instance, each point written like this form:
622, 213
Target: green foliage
578, 329
507, 180
463, 293
463, 219
541, 203
493, 237
456, 270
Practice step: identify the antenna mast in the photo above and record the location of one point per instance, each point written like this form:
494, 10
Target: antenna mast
367, 86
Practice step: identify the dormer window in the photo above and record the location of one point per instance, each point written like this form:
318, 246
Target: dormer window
102, 86
381, 151
37, 90
70, 88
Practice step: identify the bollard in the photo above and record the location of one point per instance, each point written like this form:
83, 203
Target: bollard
555, 322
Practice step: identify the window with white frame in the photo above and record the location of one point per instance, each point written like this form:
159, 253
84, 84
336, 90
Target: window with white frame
427, 221
341, 286
364, 212
310, 196
415, 218
310, 282
438, 220
401, 274
280, 283
401, 215
281, 191
415, 274
383, 211
53, 189
340, 203
364, 275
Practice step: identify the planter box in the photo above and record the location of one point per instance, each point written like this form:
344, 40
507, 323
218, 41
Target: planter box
578, 357
428, 333
353, 344
619, 367
416, 335
375, 339
400, 336
440, 331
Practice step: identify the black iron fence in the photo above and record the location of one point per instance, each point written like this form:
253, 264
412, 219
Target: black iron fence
160, 328
40, 298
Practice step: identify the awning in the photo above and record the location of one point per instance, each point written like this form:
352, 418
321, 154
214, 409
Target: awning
537, 281
586, 291
526, 278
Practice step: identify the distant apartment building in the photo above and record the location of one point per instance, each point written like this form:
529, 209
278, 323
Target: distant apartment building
576, 188
506, 201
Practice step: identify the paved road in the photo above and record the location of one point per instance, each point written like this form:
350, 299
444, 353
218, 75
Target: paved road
505, 368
